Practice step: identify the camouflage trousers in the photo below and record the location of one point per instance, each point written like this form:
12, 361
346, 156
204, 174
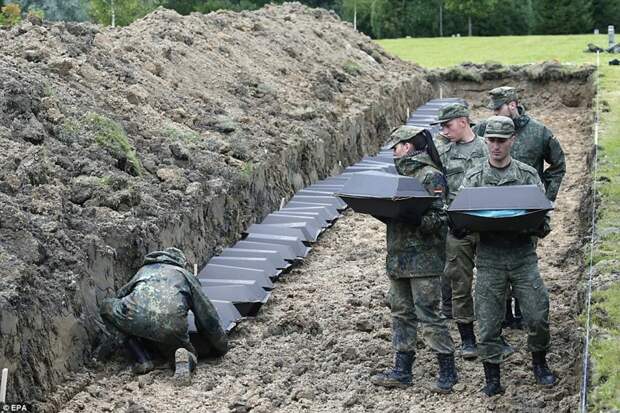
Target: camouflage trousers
491, 291
459, 272
413, 301
164, 337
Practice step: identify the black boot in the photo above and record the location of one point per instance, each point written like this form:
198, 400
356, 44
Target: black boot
400, 375
469, 350
543, 375
447, 373
144, 361
491, 376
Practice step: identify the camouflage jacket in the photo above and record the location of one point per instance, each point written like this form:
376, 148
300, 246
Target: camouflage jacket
163, 286
504, 247
419, 250
535, 145
456, 164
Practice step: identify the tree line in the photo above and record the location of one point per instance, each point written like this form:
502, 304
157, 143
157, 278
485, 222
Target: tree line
376, 18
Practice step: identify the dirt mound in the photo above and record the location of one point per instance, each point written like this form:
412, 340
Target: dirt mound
172, 131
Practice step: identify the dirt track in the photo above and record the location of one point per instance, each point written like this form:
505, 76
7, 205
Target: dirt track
325, 330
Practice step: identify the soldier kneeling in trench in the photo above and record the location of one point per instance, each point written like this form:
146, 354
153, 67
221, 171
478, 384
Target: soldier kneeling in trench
416, 253
150, 312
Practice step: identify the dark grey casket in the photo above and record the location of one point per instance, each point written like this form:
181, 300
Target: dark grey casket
497, 198
386, 195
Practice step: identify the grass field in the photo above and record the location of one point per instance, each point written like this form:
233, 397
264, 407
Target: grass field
447, 51
441, 52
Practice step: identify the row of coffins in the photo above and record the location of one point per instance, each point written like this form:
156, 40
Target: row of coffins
240, 280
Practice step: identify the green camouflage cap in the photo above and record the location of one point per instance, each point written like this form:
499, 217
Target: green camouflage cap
499, 127
501, 95
177, 255
403, 133
451, 111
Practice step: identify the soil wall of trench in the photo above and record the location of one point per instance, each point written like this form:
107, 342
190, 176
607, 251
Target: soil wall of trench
173, 131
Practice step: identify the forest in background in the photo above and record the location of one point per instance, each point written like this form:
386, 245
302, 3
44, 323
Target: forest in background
376, 18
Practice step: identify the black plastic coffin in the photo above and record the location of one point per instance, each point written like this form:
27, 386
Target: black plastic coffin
299, 248
257, 263
285, 251
229, 316
321, 200
246, 298
319, 214
225, 272
310, 226
272, 229
270, 254
386, 195
528, 197
331, 210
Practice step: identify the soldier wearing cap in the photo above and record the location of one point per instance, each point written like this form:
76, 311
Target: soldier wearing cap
463, 150
150, 312
534, 145
504, 258
414, 264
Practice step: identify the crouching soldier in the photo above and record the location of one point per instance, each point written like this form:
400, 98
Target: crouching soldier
508, 258
415, 262
150, 311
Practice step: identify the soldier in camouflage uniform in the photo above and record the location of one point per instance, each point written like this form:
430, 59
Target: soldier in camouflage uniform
151, 311
534, 145
415, 261
462, 150
505, 258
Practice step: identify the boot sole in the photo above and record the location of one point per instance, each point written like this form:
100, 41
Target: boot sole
182, 373
391, 385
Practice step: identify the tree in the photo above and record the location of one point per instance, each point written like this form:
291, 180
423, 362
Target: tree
508, 17
471, 9
565, 17
121, 12
72, 10
605, 13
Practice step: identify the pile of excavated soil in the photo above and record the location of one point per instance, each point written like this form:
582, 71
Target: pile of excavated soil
326, 329
176, 130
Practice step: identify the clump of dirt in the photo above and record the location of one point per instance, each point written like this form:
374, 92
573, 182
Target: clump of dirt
326, 328
176, 130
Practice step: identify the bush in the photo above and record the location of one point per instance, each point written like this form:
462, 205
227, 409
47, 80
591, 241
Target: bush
11, 15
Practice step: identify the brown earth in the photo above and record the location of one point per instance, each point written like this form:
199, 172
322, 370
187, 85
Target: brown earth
326, 329
172, 131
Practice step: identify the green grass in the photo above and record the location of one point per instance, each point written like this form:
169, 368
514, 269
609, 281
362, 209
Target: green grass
444, 52
448, 51
111, 136
605, 395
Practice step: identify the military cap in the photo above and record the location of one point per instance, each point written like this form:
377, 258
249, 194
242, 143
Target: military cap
451, 111
402, 134
499, 127
501, 95
177, 255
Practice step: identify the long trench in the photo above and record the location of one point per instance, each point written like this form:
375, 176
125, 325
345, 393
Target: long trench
326, 329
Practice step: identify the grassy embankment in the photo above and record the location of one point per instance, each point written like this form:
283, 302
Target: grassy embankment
440, 52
